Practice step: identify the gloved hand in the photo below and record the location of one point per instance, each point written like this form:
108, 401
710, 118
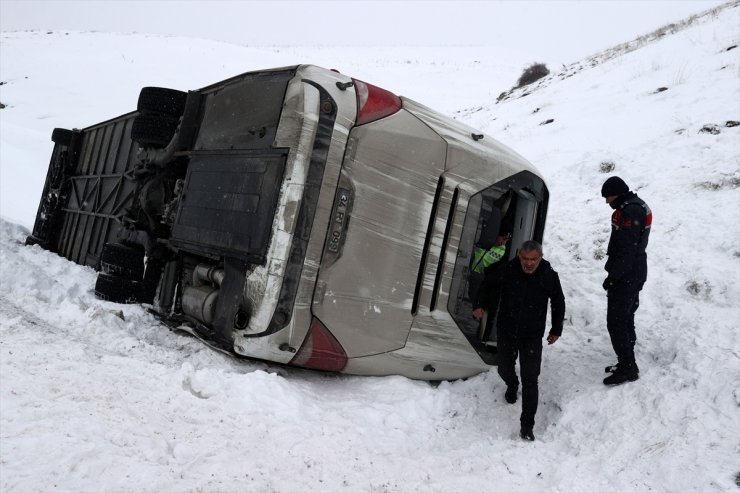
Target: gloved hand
608, 283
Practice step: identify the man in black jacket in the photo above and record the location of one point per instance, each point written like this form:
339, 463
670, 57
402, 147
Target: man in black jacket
627, 272
522, 289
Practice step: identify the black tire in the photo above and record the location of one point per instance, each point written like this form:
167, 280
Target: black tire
154, 130
62, 136
162, 100
32, 240
122, 261
117, 289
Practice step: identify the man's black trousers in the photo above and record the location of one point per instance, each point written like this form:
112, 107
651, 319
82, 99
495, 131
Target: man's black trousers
529, 351
622, 304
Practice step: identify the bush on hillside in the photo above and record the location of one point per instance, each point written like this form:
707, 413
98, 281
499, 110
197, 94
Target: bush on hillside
532, 73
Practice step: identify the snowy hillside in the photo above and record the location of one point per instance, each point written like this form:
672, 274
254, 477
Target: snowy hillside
96, 396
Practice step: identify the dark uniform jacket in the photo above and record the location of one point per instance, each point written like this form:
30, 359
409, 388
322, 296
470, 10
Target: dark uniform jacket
522, 299
631, 220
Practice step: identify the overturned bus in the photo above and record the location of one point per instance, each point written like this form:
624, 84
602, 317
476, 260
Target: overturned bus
294, 215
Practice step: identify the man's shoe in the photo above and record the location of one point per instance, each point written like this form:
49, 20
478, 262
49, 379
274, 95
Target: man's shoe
510, 394
613, 368
526, 434
622, 375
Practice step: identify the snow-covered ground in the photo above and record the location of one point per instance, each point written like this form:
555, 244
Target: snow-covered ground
96, 396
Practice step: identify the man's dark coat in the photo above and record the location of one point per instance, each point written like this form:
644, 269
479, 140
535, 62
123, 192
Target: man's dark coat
631, 221
522, 311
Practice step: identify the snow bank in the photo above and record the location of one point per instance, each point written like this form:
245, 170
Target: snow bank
96, 396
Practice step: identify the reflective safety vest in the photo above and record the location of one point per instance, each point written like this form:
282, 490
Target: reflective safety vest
483, 258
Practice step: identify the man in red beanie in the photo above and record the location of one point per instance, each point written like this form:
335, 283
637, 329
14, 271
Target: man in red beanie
627, 272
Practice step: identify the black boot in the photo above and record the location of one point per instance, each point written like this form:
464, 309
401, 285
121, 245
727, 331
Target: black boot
510, 394
613, 368
526, 434
624, 373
